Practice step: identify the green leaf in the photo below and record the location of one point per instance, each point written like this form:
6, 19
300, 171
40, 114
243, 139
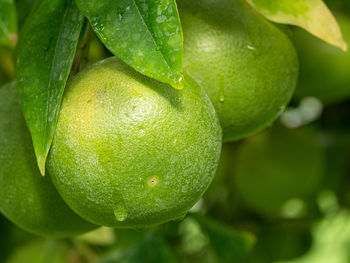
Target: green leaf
229, 244
145, 34
45, 57
152, 249
8, 23
23, 9
312, 15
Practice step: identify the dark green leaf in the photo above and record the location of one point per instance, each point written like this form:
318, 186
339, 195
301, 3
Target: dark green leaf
152, 249
146, 34
45, 57
23, 10
8, 23
229, 244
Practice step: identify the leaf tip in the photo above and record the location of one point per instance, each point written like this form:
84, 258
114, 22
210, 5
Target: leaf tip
179, 83
41, 163
344, 46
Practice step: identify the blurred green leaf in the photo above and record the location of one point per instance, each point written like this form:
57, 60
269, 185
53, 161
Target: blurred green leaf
46, 53
102, 236
152, 249
146, 35
331, 241
282, 240
312, 15
40, 251
8, 23
194, 240
229, 245
23, 9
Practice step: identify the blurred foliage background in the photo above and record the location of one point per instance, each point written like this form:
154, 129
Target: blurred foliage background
282, 195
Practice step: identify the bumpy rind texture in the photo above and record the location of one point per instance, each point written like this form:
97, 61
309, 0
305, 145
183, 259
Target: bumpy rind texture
130, 151
27, 198
247, 66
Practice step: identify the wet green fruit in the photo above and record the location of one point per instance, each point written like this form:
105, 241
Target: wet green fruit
27, 198
278, 165
247, 66
324, 69
132, 152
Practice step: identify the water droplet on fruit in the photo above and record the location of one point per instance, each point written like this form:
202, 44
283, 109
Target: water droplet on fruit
120, 212
250, 47
255, 51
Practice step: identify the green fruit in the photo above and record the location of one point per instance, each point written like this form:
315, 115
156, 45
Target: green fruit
324, 69
132, 152
26, 198
247, 66
276, 166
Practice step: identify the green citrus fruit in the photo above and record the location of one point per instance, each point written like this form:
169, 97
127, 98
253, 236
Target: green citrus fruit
132, 152
278, 165
324, 69
247, 66
26, 198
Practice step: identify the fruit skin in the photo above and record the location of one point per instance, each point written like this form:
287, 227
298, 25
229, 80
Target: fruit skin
27, 198
247, 65
277, 165
130, 151
324, 69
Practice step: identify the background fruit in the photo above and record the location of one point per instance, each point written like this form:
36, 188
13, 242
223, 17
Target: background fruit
247, 66
278, 165
27, 198
324, 69
130, 151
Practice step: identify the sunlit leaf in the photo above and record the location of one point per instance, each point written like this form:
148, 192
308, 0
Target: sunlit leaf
145, 34
312, 15
8, 23
45, 58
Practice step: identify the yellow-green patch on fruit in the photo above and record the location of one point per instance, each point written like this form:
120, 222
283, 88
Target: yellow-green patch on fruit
27, 198
130, 151
247, 66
